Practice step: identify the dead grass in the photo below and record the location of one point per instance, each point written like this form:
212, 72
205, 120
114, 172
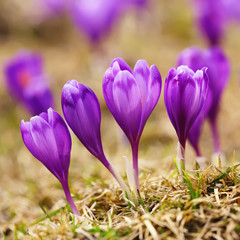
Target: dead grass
165, 211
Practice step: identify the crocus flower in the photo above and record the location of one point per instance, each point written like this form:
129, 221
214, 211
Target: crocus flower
82, 112
218, 72
211, 19
95, 18
26, 82
184, 94
48, 139
131, 97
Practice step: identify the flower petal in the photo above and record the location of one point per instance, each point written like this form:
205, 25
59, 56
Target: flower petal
185, 93
82, 113
62, 137
44, 139
128, 108
122, 64
29, 142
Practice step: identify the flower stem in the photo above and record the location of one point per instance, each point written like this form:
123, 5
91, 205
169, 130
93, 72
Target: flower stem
119, 179
215, 135
116, 175
180, 158
69, 198
134, 146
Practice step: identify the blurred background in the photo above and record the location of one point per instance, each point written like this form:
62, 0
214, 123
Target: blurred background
156, 31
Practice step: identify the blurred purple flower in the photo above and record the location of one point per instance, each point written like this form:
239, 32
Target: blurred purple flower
138, 3
48, 139
82, 112
95, 18
26, 82
211, 18
55, 6
218, 72
184, 94
232, 7
131, 97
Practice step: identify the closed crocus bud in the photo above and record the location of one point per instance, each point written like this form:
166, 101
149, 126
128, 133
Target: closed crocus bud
131, 97
48, 139
82, 112
184, 94
193, 57
211, 18
95, 18
27, 83
218, 72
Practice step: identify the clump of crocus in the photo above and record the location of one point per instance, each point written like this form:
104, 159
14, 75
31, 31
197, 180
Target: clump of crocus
48, 139
27, 83
211, 18
218, 72
95, 18
82, 112
184, 94
131, 97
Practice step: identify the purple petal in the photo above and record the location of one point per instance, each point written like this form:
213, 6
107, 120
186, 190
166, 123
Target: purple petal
44, 139
192, 57
62, 137
48, 139
122, 65
219, 73
184, 97
20, 70
82, 113
29, 142
149, 83
211, 17
127, 100
95, 18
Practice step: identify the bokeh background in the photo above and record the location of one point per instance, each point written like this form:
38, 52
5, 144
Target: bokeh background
157, 33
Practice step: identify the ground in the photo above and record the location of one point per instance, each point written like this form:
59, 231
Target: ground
33, 205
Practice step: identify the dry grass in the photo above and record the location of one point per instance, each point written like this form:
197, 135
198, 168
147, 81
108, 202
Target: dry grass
166, 210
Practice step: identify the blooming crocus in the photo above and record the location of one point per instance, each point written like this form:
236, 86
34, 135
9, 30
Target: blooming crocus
95, 18
48, 139
218, 72
27, 83
184, 94
211, 18
131, 97
82, 112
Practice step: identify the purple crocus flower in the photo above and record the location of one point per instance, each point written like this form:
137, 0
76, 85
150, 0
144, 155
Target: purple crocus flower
95, 18
26, 82
218, 72
184, 94
48, 139
211, 19
131, 97
82, 112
